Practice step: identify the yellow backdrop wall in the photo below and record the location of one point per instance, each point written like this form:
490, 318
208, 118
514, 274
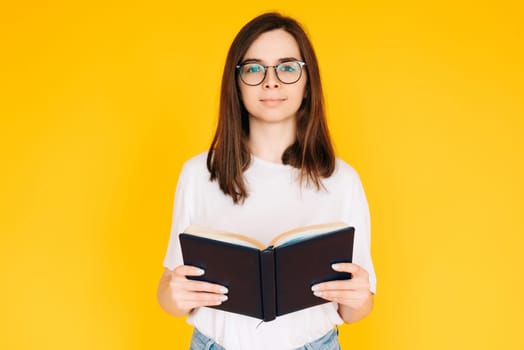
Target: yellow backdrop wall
102, 101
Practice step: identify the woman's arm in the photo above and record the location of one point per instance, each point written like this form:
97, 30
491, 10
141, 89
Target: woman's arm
178, 295
353, 296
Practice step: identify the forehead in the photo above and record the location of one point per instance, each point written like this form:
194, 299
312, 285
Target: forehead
270, 46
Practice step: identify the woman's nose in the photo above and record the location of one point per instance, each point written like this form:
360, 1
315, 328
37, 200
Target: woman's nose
271, 80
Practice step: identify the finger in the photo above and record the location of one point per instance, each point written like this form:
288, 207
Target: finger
200, 286
194, 304
201, 300
186, 270
353, 269
343, 297
181, 282
330, 296
184, 298
352, 284
354, 302
205, 298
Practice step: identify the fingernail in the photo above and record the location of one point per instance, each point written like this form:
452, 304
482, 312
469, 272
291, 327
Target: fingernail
198, 271
335, 266
223, 297
315, 288
223, 290
317, 294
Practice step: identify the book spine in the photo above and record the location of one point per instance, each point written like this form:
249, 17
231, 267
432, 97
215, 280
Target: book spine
267, 270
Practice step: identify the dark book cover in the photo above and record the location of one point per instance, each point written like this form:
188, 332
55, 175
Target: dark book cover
274, 281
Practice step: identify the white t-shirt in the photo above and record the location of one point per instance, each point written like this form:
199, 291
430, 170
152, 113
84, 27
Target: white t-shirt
276, 203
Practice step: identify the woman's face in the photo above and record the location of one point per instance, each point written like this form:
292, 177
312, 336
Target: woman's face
273, 101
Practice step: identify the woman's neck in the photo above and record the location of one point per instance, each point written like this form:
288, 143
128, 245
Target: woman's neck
268, 141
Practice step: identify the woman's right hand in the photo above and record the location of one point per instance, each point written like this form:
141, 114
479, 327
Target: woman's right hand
185, 294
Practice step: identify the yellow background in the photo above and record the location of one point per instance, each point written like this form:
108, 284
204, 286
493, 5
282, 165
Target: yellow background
101, 102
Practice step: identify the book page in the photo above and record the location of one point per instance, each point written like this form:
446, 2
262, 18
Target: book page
228, 237
305, 232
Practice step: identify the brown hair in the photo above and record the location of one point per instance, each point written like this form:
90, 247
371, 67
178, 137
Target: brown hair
312, 152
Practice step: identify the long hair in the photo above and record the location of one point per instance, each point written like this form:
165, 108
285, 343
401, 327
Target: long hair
312, 152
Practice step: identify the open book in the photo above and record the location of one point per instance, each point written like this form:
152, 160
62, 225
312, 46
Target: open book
266, 282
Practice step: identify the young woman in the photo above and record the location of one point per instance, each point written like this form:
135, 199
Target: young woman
270, 168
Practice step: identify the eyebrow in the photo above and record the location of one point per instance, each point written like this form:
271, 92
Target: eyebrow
280, 60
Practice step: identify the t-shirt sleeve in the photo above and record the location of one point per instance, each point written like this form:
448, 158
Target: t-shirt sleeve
360, 219
180, 221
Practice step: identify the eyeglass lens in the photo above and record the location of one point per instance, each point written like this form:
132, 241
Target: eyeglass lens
255, 73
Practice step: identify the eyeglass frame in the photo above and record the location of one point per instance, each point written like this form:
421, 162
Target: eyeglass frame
301, 64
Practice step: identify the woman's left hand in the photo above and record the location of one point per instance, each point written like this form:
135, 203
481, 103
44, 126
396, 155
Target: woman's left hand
353, 293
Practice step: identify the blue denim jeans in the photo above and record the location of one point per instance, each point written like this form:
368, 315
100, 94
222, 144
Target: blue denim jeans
327, 342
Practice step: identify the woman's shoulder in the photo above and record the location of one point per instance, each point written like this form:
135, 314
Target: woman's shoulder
197, 160
344, 169
196, 165
344, 178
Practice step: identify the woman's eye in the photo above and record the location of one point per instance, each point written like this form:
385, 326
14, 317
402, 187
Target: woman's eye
254, 68
287, 67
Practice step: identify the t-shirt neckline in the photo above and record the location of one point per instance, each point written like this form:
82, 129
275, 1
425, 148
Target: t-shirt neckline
267, 163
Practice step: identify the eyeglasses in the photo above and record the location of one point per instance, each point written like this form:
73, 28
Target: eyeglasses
254, 74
